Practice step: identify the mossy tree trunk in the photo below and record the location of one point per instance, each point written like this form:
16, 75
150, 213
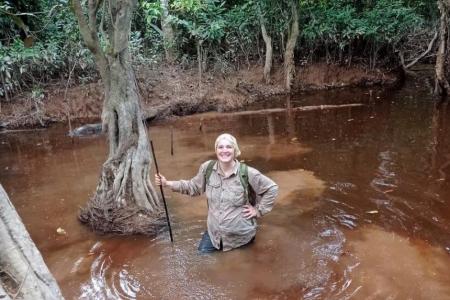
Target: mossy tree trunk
293, 32
442, 86
125, 202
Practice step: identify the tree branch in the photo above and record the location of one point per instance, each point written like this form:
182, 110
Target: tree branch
430, 46
90, 35
156, 28
122, 25
85, 30
92, 12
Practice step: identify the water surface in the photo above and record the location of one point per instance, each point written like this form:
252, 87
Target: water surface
363, 211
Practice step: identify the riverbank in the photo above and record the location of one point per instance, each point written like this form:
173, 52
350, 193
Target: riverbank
173, 91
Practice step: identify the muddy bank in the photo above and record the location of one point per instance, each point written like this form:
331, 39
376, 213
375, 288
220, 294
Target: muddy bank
173, 91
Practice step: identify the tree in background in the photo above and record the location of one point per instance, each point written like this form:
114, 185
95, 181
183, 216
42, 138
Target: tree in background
442, 86
204, 22
125, 201
272, 26
155, 12
269, 49
168, 35
293, 32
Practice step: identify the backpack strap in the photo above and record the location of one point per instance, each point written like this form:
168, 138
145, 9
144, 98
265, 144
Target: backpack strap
243, 176
249, 193
209, 170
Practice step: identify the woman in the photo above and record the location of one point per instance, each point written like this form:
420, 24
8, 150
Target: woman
231, 218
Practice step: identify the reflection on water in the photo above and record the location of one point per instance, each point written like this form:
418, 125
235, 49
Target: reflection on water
362, 213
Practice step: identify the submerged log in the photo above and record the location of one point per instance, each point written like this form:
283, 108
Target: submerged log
87, 129
300, 108
96, 128
23, 272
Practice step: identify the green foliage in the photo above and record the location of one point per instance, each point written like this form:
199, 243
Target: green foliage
138, 52
203, 20
22, 67
339, 22
242, 31
388, 21
276, 15
376, 25
18, 16
19, 65
152, 11
55, 51
228, 31
146, 22
334, 22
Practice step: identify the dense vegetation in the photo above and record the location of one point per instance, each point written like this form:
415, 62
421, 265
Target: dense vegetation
40, 41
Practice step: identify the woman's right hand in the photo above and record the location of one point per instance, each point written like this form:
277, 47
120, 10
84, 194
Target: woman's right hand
160, 180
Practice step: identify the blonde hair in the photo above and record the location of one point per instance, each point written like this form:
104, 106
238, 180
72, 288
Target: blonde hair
228, 137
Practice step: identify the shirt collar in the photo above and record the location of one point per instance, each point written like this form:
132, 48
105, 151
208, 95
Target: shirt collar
219, 171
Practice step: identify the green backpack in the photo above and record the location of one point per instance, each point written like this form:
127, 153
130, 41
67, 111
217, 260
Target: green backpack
249, 193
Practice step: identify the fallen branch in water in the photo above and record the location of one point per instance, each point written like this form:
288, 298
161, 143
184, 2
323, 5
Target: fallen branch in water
300, 108
20, 130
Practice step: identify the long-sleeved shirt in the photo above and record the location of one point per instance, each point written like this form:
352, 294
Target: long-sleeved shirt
226, 198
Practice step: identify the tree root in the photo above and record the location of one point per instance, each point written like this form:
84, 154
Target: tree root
105, 217
120, 205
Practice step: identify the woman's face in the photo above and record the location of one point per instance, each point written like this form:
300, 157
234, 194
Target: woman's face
225, 151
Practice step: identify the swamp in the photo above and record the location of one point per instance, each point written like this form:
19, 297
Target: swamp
344, 104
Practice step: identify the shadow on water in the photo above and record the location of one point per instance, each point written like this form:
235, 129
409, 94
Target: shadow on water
362, 213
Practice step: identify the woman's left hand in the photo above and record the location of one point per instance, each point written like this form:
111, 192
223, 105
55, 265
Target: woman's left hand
249, 211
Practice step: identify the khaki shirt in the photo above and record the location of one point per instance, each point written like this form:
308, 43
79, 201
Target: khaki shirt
226, 198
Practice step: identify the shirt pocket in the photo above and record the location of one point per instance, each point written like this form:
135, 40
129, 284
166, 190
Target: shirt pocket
213, 187
236, 195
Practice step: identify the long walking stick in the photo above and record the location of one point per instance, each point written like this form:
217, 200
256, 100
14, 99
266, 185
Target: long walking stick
162, 192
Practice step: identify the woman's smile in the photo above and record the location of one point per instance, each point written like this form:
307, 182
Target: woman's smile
225, 151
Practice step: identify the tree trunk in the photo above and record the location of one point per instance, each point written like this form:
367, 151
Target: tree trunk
289, 65
168, 35
269, 50
200, 63
125, 202
3, 294
23, 273
441, 84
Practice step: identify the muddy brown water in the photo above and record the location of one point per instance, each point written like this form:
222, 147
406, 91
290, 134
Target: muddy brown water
363, 210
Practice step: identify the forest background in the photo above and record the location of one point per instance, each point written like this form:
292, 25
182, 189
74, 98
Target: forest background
41, 46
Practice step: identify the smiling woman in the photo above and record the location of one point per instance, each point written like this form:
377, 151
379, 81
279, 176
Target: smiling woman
228, 184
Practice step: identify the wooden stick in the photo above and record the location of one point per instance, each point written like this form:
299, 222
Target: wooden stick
171, 141
162, 192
